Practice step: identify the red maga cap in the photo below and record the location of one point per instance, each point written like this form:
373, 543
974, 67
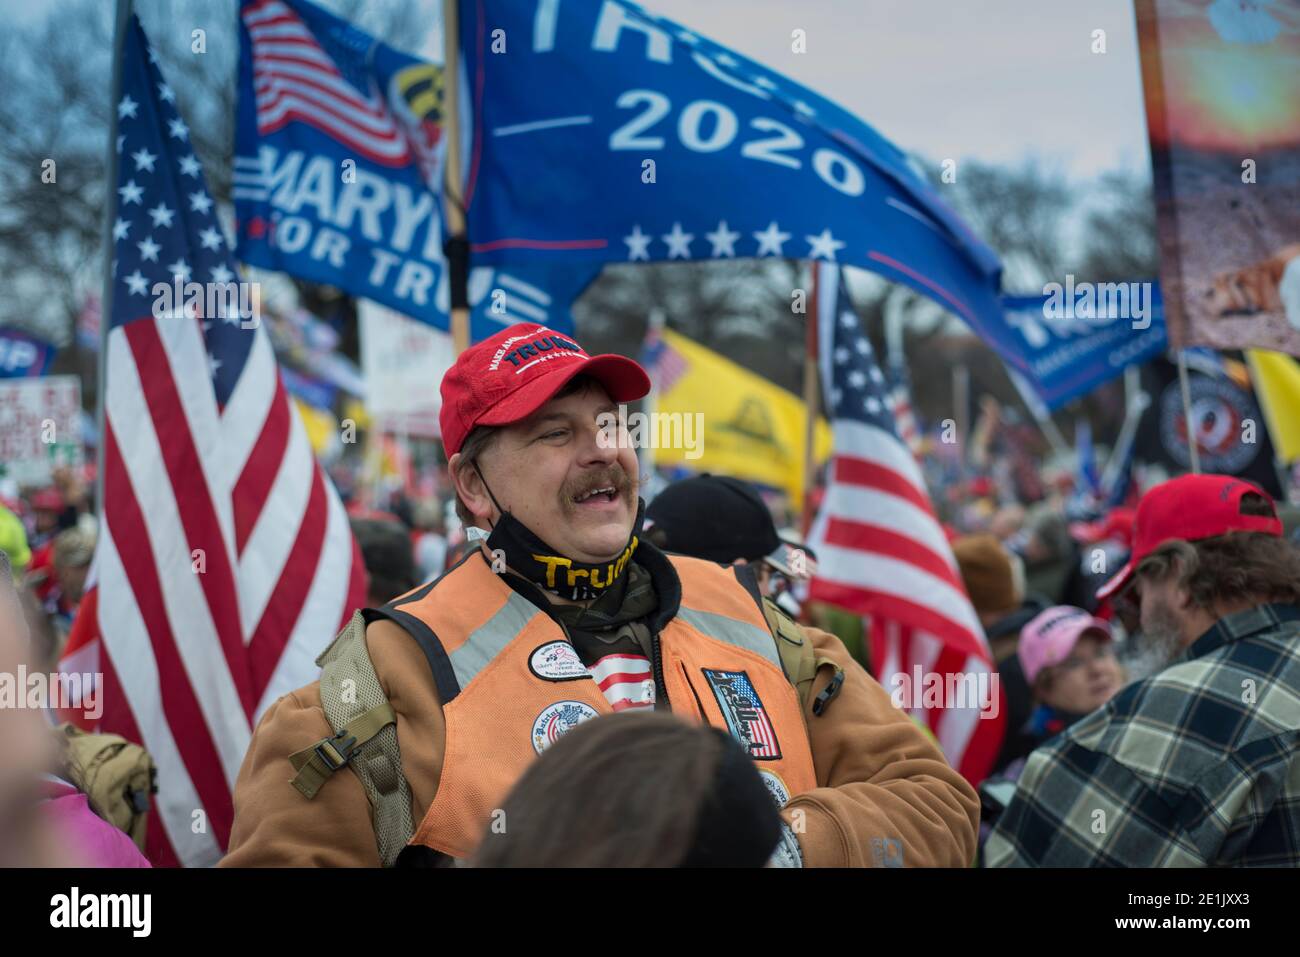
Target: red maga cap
513, 374
1190, 507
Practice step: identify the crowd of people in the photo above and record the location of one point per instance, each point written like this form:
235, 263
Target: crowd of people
48, 534
1148, 657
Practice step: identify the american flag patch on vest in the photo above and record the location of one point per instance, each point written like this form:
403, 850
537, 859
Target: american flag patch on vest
746, 717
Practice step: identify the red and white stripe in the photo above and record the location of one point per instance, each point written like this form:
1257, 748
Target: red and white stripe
625, 681
294, 79
765, 735
224, 565
672, 365
905, 419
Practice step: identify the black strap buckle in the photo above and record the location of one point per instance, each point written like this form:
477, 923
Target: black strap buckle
335, 752
830, 691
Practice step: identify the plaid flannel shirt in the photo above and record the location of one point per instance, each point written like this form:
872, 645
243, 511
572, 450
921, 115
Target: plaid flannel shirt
1198, 765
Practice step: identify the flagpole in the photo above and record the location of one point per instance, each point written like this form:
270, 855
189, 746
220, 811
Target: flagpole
657, 320
123, 19
1192, 449
961, 405
452, 195
1135, 404
810, 400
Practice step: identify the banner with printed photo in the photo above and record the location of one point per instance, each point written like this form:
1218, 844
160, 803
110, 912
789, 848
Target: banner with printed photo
1223, 117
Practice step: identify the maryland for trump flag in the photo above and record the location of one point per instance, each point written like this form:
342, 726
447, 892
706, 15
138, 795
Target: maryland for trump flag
225, 561
339, 153
338, 158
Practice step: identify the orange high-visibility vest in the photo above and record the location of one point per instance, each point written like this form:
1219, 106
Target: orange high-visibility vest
511, 684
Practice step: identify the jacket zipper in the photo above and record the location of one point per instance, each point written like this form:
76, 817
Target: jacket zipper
661, 688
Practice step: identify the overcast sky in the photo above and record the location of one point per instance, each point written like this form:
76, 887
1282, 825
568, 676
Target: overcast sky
995, 80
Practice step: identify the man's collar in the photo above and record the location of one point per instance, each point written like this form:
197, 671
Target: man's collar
1242, 624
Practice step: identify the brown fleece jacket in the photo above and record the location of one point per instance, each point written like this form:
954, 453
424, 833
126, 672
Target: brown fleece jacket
879, 777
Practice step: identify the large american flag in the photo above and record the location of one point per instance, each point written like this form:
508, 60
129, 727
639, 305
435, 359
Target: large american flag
880, 548
225, 561
295, 77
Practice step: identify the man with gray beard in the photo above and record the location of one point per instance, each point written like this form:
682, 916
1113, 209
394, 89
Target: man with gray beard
1197, 764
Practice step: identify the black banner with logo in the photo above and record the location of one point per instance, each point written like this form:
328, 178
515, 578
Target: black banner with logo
1231, 435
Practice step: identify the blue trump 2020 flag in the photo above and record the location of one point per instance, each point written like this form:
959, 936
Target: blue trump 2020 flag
601, 132
338, 174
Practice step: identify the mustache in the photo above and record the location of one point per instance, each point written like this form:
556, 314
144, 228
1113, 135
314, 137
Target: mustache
603, 477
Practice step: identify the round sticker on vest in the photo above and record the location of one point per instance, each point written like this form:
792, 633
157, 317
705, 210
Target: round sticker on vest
775, 787
558, 720
557, 661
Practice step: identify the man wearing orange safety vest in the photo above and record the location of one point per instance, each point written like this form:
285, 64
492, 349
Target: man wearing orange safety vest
431, 707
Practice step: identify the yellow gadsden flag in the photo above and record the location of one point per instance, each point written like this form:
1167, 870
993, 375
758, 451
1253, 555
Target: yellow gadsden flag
749, 428
1277, 386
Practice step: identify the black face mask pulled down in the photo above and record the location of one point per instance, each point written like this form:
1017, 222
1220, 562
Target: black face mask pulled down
530, 557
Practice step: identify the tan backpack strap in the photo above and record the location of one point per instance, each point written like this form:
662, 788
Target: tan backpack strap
799, 659
316, 763
365, 739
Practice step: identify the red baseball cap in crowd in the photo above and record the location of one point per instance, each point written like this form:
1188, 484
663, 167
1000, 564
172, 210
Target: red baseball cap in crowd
1190, 507
1051, 635
513, 374
1116, 525
47, 500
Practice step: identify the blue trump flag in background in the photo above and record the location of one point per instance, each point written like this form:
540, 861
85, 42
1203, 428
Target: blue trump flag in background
601, 132
1075, 337
338, 174
22, 355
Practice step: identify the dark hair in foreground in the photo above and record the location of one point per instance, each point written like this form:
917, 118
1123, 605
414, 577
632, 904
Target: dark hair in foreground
636, 790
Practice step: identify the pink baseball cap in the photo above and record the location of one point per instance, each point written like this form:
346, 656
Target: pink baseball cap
1051, 635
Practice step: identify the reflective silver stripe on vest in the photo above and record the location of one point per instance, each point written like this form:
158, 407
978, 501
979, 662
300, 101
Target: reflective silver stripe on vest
490, 638
738, 633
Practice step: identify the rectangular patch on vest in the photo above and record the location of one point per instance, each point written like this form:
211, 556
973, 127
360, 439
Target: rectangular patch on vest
743, 710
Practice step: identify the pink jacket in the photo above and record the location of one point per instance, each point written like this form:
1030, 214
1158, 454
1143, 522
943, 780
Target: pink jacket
93, 840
